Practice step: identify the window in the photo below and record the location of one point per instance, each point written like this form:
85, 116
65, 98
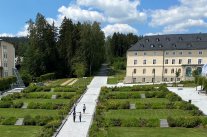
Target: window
189, 61
172, 79
154, 61
181, 53
135, 71
153, 71
180, 61
165, 79
188, 71
199, 69
135, 53
166, 61
147, 40
4, 47
168, 39
178, 79
179, 70
180, 38
5, 64
135, 62
173, 61
144, 71
173, 53
160, 45
5, 55
200, 52
143, 79
199, 61
153, 80
145, 53
165, 71
172, 71
145, 61
166, 53
157, 39
189, 52
152, 46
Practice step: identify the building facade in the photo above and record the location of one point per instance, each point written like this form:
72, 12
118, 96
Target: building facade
158, 58
7, 56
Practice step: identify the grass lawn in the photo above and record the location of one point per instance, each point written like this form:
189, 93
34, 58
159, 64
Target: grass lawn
145, 100
153, 132
19, 113
119, 76
57, 101
57, 82
83, 81
19, 131
146, 113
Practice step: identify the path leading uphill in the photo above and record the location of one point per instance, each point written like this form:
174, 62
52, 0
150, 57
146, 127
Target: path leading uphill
80, 129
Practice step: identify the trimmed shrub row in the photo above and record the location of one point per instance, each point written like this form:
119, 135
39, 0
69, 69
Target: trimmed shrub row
36, 105
133, 122
35, 88
121, 95
117, 105
37, 120
8, 121
188, 122
10, 104
6, 82
48, 76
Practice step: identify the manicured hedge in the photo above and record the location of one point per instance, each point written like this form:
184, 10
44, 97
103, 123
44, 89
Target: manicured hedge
48, 76
117, 105
65, 89
35, 88
188, 122
6, 82
37, 120
8, 121
123, 95
139, 122
36, 105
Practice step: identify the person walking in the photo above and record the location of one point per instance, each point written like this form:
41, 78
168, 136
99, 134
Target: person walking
80, 117
74, 116
84, 108
74, 108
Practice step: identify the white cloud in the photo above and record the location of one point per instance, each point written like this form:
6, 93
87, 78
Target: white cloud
6, 35
189, 13
121, 28
117, 11
151, 34
23, 32
183, 26
77, 14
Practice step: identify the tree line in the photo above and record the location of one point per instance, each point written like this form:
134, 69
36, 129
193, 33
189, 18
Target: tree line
73, 49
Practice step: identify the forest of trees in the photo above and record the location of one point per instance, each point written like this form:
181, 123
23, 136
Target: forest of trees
73, 49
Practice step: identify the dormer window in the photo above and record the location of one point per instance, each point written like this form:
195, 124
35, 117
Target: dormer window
168, 39
189, 45
174, 45
157, 39
198, 38
180, 38
160, 45
142, 45
152, 46
147, 40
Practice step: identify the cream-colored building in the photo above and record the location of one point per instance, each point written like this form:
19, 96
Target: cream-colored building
7, 56
158, 58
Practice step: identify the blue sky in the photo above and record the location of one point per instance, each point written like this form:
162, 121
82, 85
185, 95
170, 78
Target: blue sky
142, 17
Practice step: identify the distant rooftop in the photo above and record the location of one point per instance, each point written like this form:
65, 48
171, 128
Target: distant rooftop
172, 42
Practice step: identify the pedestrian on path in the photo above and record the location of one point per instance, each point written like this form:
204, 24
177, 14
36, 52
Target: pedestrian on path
74, 116
84, 108
80, 117
74, 108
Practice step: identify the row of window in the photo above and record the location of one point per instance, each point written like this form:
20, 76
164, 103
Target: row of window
153, 79
173, 53
180, 61
144, 71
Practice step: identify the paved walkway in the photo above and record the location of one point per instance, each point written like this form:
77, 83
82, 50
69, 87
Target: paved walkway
80, 129
199, 100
